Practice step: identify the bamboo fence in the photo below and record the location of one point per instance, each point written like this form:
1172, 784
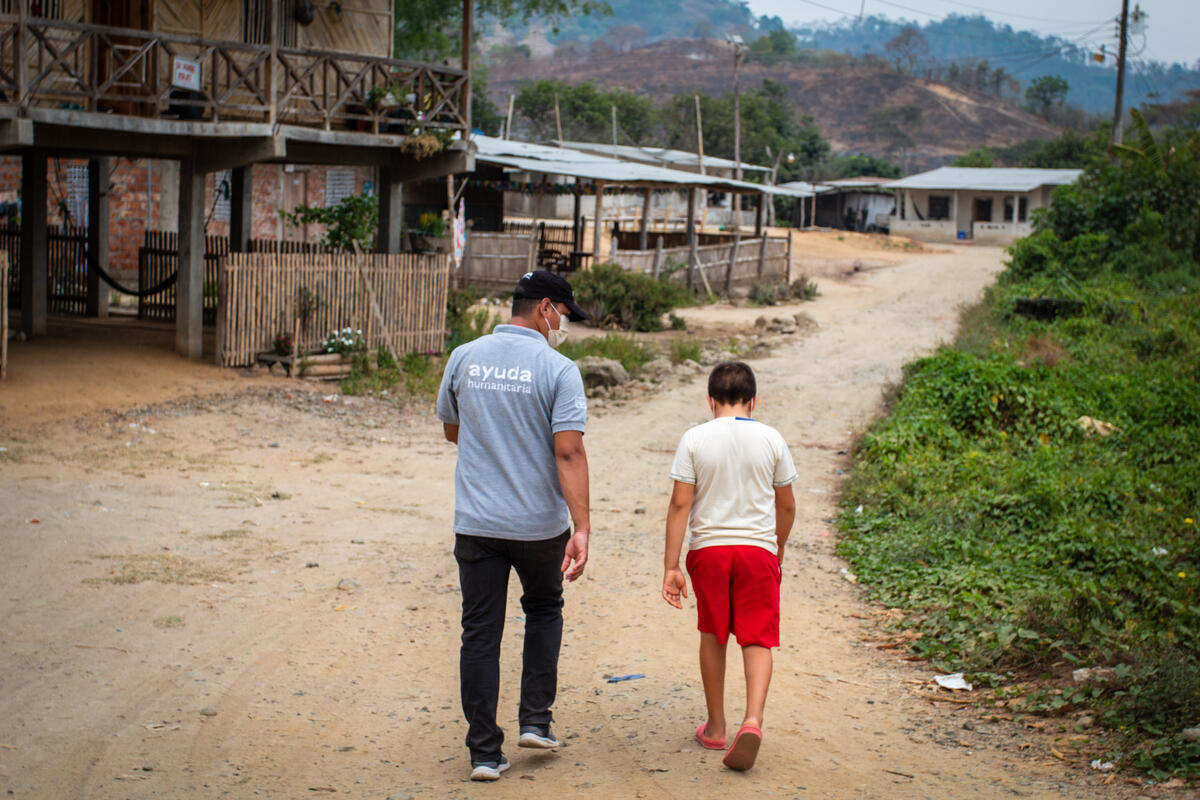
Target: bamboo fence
259, 299
752, 263
4, 316
494, 262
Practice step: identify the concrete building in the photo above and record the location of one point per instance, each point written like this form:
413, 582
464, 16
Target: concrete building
989, 205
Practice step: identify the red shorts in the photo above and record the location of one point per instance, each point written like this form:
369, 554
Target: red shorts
737, 589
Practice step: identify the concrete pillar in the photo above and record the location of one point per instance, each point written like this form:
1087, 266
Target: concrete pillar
643, 233
241, 209
168, 197
391, 213
189, 288
597, 225
691, 236
35, 266
99, 170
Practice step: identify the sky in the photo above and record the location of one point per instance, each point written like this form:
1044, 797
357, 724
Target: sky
1170, 33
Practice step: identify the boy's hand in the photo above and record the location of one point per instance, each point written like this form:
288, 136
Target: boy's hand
674, 587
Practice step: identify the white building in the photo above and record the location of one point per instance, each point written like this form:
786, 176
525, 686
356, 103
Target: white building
989, 205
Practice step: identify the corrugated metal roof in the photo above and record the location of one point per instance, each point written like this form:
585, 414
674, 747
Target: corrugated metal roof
804, 188
661, 156
986, 179
528, 157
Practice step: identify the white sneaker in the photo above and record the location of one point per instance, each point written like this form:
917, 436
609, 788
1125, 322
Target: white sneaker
538, 737
489, 770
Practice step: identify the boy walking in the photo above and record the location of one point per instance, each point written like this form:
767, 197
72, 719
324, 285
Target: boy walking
733, 489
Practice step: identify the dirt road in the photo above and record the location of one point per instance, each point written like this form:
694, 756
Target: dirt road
254, 595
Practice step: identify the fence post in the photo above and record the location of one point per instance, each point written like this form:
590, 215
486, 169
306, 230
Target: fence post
614, 249
762, 254
532, 263
733, 254
658, 256
787, 270
691, 237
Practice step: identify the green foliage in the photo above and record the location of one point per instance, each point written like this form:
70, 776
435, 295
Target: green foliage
771, 294
982, 157
1012, 536
585, 110
432, 29
685, 350
627, 300
464, 323
773, 47
1045, 92
431, 224
350, 225
859, 164
631, 353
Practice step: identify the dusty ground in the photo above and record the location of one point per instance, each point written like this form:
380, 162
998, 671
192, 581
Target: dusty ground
233, 588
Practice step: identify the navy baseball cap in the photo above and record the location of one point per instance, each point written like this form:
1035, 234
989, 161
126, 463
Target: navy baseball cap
539, 284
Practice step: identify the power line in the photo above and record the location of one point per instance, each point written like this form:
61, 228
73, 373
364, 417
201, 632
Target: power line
1002, 13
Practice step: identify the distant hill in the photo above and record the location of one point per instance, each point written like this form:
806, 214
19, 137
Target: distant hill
1024, 55
840, 99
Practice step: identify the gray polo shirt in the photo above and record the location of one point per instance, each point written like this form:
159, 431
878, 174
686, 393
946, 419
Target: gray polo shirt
509, 393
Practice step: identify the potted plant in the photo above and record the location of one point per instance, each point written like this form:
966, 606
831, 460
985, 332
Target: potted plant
430, 234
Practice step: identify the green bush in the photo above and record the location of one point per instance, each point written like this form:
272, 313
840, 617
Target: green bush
1015, 540
631, 353
627, 300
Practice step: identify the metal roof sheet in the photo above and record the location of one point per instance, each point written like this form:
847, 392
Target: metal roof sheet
663, 156
528, 157
987, 179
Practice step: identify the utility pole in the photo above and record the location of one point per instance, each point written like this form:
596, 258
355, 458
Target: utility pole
1124, 33
557, 120
468, 6
699, 134
614, 129
739, 50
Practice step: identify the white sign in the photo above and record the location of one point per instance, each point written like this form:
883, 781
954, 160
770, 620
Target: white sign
186, 74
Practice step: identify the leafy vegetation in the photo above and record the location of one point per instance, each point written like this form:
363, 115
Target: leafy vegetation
350, 225
627, 300
631, 353
585, 111
1031, 501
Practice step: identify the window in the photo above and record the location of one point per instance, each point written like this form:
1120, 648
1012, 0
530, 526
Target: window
939, 206
223, 190
256, 18
77, 195
339, 184
1022, 209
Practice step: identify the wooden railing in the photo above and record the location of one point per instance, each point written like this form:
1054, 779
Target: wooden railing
58, 64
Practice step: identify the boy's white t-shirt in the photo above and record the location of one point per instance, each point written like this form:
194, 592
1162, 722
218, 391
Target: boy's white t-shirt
735, 464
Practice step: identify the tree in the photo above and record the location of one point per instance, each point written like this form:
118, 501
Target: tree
1045, 93
908, 50
585, 110
431, 30
775, 46
859, 164
981, 157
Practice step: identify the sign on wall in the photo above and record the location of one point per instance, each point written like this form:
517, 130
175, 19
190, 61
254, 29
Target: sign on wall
186, 74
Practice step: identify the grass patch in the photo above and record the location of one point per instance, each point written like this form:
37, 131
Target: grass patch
235, 533
631, 353
168, 622
159, 568
685, 350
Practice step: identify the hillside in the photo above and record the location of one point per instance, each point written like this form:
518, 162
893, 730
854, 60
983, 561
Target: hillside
953, 121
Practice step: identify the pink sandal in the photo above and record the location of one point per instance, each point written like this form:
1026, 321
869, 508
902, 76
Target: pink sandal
745, 748
707, 743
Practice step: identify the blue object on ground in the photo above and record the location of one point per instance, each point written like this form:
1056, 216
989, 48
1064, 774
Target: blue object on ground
619, 678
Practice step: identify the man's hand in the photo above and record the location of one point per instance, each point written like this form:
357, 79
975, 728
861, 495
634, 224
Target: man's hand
577, 552
674, 587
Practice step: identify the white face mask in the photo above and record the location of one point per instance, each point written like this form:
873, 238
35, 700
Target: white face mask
557, 337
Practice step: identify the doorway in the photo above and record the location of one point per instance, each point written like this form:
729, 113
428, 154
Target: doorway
113, 54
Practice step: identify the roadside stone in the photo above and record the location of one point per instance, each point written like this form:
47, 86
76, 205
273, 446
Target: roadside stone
803, 320
208, 711
277, 370
782, 325
348, 585
1085, 722
658, 369
598, 371
687, 368
716, 357
761, 323
1191, 734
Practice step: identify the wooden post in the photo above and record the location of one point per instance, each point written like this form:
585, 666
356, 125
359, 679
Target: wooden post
691, 237
645, 219
189, 287
508, 119
577, 232
812, 215
241, 209
272, 64
467, 23
758, 215
19, 56
3, 316
597, 224
699, 135
35, 264
388, 236
531, 264
733, 254
613, 249
788, 267
762, 255
658, 256
97, 246
558, 122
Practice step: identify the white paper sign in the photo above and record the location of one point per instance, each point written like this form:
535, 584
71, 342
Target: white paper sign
186, 74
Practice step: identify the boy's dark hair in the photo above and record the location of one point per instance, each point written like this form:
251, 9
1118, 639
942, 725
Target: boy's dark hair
732, 382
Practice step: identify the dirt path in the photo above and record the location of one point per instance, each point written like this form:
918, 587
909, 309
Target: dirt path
298, 634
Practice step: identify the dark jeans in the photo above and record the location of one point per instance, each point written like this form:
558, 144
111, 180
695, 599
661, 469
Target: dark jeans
483, 568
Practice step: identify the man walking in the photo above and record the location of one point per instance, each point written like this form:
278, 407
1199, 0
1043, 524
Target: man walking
517, 411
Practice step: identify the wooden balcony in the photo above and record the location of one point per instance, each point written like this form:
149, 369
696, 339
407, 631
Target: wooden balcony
53, 64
